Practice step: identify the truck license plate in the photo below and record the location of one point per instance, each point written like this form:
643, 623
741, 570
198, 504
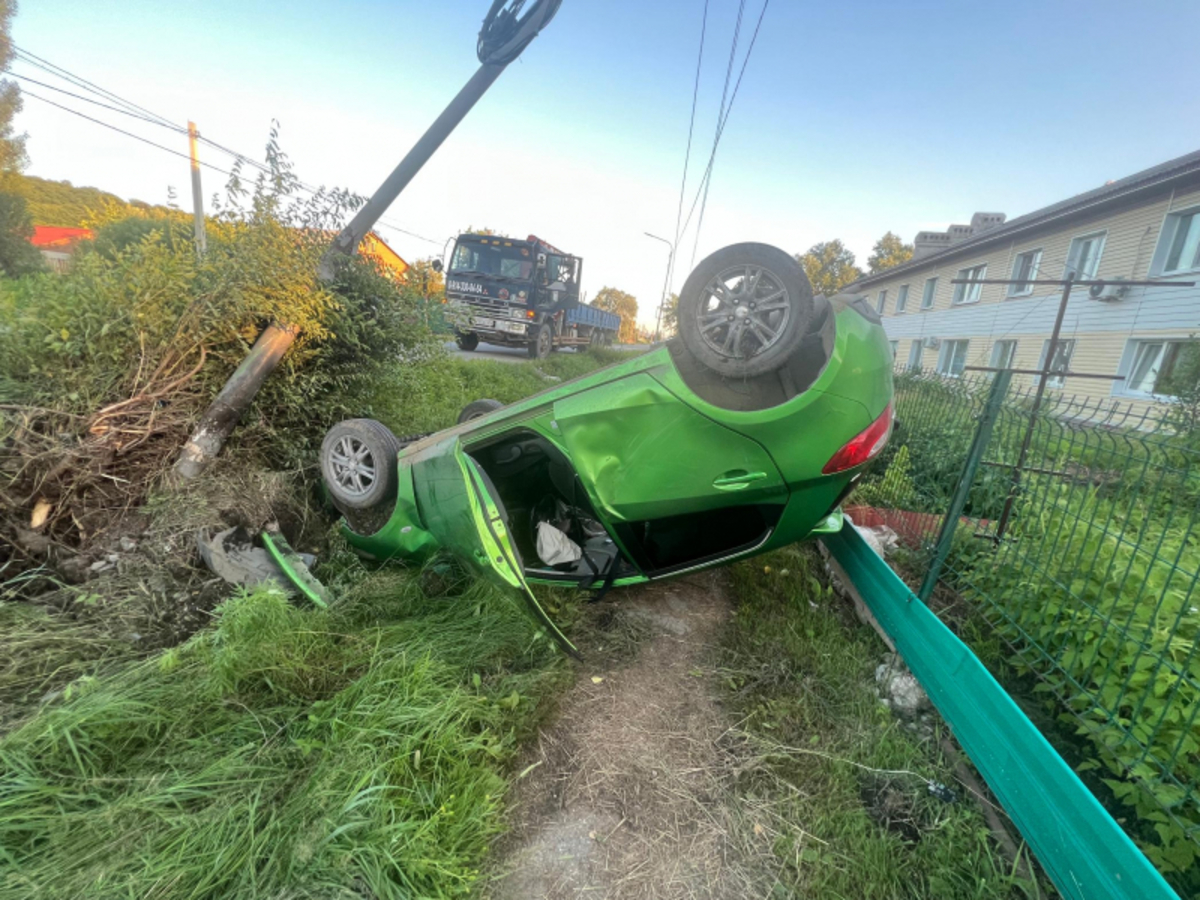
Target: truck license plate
483, 323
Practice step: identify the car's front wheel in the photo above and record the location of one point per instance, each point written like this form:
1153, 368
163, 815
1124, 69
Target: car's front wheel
358, 465
468, 341
745, 310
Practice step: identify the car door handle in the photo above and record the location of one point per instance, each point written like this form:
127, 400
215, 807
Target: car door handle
737, 479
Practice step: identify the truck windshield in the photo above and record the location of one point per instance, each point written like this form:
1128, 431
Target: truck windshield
511, 261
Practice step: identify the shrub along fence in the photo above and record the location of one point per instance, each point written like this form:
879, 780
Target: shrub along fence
1091, 586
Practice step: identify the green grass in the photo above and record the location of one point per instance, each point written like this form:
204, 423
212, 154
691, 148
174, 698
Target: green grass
431, 397
800, 671
284, 752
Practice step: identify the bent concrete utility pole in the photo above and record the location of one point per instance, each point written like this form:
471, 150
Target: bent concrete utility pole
505, 33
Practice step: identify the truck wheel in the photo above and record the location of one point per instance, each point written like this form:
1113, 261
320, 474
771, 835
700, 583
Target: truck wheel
745, 309
358, 465
543, 340
478, 408
468, 341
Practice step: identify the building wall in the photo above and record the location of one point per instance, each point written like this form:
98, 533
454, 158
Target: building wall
1101, 330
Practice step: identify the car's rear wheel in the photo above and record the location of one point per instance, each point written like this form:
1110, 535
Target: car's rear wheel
745, 309
358, 464
467, 341
478, 408
543, 340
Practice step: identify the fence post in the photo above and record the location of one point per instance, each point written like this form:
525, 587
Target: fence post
979, 445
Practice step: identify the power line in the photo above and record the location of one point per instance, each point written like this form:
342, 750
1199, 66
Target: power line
34, 60
687, 155
118, 109
132, 109
737, 31
728, 112
136, 137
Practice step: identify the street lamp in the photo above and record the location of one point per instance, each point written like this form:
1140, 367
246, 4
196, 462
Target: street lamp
666, 284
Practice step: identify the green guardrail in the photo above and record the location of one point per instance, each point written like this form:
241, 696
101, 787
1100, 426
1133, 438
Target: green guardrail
1081, 847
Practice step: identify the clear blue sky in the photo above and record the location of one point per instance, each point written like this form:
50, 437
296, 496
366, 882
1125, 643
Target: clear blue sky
853, 119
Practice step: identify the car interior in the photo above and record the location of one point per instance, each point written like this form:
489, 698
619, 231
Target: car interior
537, 485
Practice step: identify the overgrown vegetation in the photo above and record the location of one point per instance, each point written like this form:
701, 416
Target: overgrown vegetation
284, 752
845, 781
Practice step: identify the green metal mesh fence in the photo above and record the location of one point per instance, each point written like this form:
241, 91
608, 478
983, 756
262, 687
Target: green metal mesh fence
1092, 586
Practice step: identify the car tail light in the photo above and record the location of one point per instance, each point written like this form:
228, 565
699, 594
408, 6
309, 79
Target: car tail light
864, 446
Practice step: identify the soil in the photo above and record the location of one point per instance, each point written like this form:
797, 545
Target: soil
628, 791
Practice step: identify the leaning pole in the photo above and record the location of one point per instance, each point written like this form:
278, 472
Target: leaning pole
505, 33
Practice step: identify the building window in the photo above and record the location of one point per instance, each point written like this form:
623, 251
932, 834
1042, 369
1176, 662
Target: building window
969, 293
1181, 237
927, 295
1003, 353
895, 345
1061, 363
1160, 368
952, 358
1025, 270
1083, 259
914, 356
881, 302
901, 298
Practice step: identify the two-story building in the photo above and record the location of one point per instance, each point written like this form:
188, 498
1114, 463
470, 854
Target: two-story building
1143, 227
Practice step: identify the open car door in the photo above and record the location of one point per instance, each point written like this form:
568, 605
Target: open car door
460, 505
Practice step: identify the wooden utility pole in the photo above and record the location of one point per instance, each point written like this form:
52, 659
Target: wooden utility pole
197, 192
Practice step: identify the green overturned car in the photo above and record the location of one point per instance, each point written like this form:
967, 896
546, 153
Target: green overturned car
742, 434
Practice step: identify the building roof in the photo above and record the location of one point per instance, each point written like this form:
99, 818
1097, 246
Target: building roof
1164, 173
53, 237
374, 247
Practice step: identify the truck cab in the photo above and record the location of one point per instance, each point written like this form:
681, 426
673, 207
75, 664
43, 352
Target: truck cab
516, 292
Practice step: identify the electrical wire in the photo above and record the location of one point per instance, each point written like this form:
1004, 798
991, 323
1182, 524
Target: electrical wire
728, 111
136, 137
34, 60
134, 110
118, 109
687, 155
737, 31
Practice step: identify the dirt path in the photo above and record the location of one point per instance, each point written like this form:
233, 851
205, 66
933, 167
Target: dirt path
629, 797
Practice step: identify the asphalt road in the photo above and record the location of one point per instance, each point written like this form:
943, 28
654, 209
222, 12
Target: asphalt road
517, 354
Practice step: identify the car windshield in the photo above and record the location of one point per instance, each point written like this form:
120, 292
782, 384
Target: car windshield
506, 260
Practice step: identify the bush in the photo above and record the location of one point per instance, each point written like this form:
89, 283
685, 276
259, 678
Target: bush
111, 362
1109, 625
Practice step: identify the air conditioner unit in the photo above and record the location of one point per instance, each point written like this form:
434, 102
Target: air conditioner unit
1107, 293
931, 343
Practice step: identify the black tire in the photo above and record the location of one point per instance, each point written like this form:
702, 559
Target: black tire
468, 341
719, 319
358, 465
478, 408
543, 341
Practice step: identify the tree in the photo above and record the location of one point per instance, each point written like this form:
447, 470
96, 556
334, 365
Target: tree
17, 256
670, 316
830, 266
888, 251
623, 304
12, 147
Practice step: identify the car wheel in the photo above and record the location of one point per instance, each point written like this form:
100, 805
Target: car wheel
744, 310
478, 408
358, 464
468, 341
543, 340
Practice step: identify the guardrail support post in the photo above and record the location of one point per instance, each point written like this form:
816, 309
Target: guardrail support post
979, 445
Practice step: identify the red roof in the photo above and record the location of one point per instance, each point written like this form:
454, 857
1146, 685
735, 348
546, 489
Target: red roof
49, 236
